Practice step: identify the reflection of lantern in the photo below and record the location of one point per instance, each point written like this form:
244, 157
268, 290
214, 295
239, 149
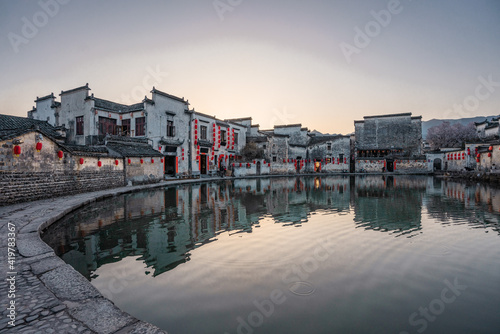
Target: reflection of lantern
17, 150
116, 162
38, 147
99, 163
81, 161
60, 155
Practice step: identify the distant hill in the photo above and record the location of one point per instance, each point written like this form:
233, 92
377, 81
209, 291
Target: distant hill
426, 125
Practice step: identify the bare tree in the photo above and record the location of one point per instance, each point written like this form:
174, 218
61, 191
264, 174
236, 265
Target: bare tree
447, 135
252, 151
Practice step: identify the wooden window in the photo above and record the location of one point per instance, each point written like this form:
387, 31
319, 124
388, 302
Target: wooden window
140, 126
203, 132
107, 126
223, 137
170, 129
126, 127
79, 126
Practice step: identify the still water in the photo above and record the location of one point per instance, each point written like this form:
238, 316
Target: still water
370, 254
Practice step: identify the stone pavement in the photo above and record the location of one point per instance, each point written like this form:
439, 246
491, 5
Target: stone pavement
50, 296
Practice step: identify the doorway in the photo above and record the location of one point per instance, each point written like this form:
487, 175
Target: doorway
203, 164
170, 165
258, 167
437, 164
390, 165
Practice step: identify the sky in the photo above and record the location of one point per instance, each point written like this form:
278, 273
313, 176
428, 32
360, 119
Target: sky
321, 63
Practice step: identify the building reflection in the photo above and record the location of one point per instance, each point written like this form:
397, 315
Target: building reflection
161, 227
384, 203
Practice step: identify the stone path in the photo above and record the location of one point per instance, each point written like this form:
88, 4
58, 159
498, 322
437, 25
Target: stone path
50, 296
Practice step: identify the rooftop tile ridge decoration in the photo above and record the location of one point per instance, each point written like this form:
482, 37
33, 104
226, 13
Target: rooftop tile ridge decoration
50, 96
156, 91
390, 115
289, 126
86, 87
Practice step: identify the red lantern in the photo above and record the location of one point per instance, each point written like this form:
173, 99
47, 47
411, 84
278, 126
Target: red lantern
17, 150
60, 155
477, 160
490, 148
99, 163
129, 161
116, 162
142, 161
161, 160
81, 161
38, 147
489, 154
269, 165
254, 162
241, 164
152, 160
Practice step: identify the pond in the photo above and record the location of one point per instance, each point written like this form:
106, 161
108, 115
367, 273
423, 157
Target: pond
368, 254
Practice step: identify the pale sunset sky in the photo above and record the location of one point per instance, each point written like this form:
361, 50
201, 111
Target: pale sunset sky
322, 63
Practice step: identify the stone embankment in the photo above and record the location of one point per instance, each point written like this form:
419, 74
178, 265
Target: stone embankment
490, 178
49, 295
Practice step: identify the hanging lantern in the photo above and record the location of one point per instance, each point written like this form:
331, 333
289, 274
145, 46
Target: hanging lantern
129, 161
161, 160
142, 161
489, 154
269, 165
254, 162
60, 155
490, 148
17, 150
116, 162
38, 146
99, 163
152, 160
477, 159
81, 161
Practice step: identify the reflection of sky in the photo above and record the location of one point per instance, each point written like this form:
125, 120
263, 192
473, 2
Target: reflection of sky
172, 256
273, 60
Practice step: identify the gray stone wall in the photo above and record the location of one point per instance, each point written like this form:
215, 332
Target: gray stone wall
34, 175
30, 186
390, 132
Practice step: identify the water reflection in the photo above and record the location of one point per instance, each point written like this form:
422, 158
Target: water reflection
160, 227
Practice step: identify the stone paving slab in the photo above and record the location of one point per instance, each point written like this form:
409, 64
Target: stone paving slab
68, 284
51, 296
101, 316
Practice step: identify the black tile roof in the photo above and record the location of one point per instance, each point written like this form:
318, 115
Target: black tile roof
13, 126
168, 95
91, 151
50, 96
321, 139
116, 107
86, 87
129, 149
